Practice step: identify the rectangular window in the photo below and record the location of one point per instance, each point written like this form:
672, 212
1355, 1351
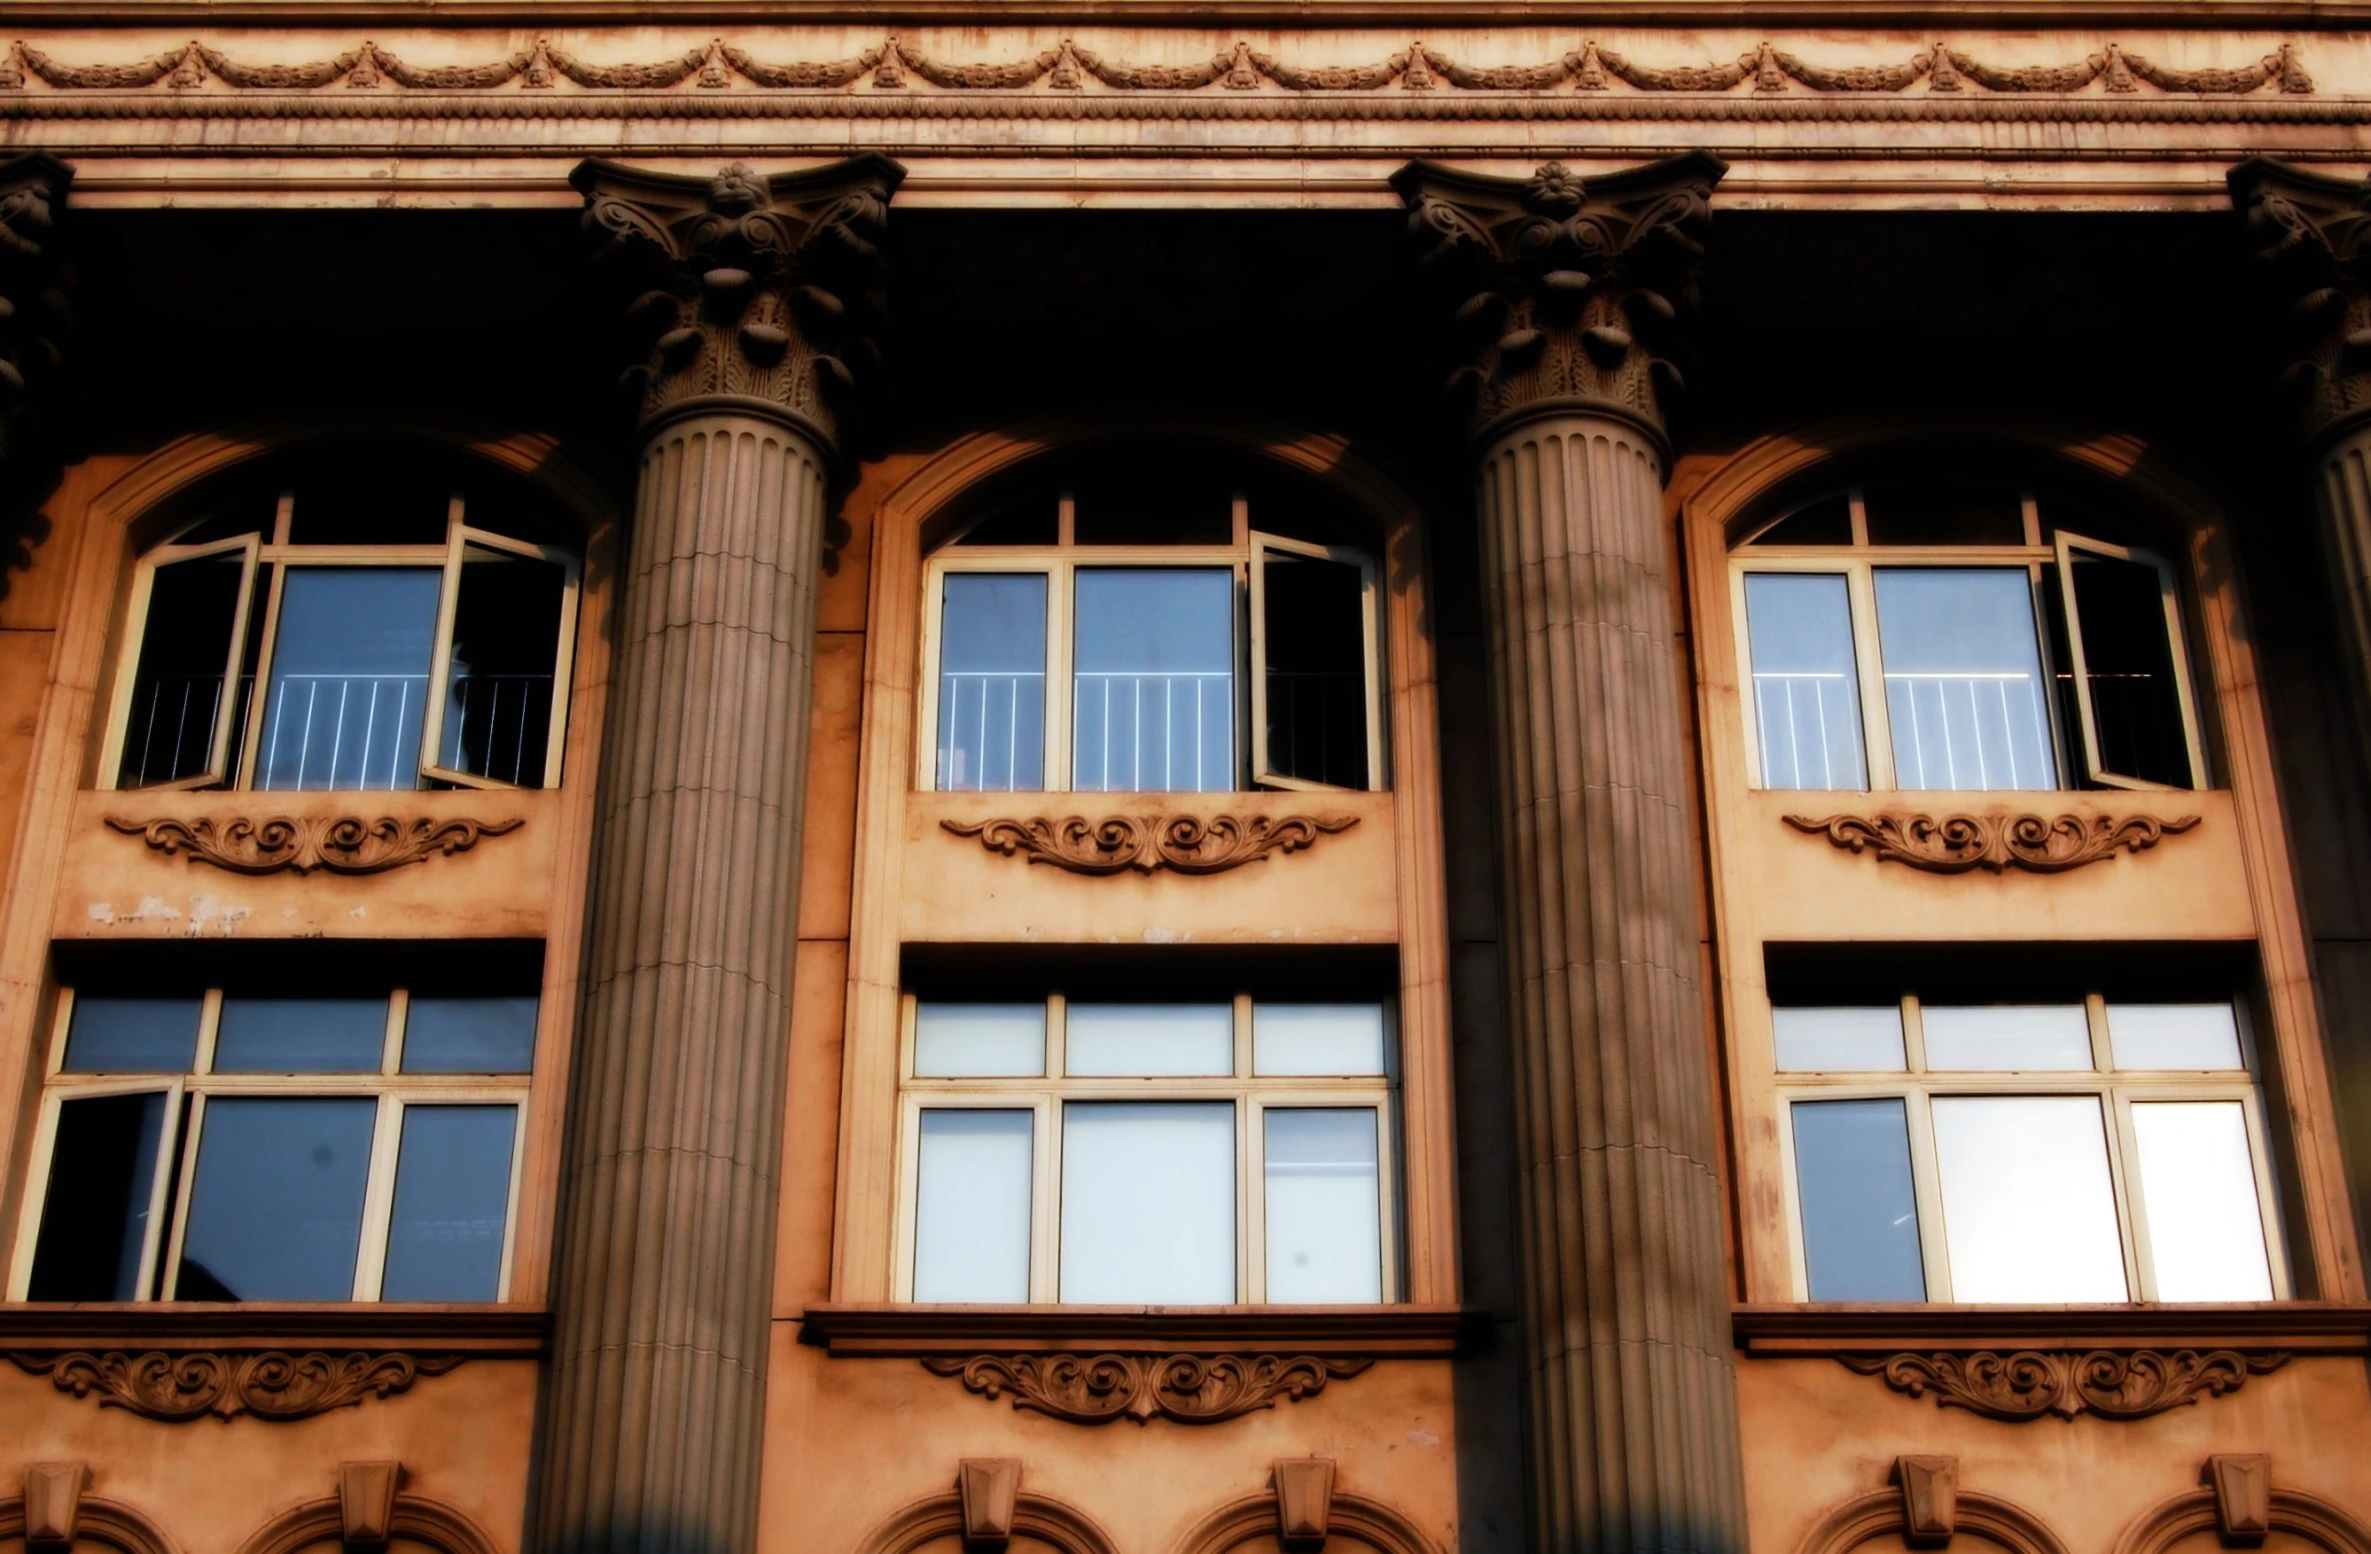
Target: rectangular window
1806, 680
992, 682
254, 1144
1149, 1153
1314, 718
1963, 678
1154, 680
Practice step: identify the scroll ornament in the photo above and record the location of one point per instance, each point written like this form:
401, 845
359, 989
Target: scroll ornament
1186, 844
345, 844
2028, 1384
1188, 1388
1955, 844
274, 1384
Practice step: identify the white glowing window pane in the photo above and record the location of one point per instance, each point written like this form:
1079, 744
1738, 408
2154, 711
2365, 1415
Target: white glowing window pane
1148, 1202
971, 1206
1850, 1041
2183, 1036
971, 1041
2007, 1036
1325, 1208
1149, 1040
2029, 1215
2198, 1191
1317, 1039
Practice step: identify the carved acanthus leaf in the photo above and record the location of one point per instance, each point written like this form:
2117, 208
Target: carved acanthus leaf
344, 844
33, 309
2025, 1384
274, 1384
1189, 1388
1955, 844
2310, 231
1187, 844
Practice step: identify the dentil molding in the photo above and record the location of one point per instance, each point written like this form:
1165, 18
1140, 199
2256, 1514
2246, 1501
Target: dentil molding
2026, 1384
342, 844
1183, 844
1093, 1389
273, 1384
1995, 842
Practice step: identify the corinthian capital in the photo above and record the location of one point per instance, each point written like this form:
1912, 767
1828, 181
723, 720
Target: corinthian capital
2310, 232
756, 291
32, 295
1574, 287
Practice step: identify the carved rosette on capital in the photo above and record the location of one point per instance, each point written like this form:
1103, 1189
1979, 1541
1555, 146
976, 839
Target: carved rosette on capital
1573, 288
33, 312
757, 292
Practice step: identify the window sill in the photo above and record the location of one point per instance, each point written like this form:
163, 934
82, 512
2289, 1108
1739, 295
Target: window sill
924, 1331
174, 1326
2293, 1327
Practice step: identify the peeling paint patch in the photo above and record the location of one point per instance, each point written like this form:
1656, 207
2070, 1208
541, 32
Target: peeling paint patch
208, 913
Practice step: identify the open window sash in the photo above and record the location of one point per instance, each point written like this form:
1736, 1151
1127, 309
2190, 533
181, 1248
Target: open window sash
131, 724
1354, 584
2097, 765
167, 1148
447, 756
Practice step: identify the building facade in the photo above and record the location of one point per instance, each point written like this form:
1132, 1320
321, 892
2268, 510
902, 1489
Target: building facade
1357, 775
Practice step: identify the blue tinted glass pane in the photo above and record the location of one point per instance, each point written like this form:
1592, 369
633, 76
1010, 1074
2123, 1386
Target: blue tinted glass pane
1860, 1219
275, 1212
132, 1035
301, 1036
1963, 678
1807, 699
1155, 692
992, 683
349, 678
94, 1221
469, 1036
452, 1200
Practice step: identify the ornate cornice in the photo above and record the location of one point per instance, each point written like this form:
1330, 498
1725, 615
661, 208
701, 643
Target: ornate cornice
754, 290
33, 311
1187, 1388
343, 844
2309, 230
1183, 844
1572, 288
273, 1384
2025, 1384
1956, 844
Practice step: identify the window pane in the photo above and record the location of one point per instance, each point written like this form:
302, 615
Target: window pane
971, 1206
1155, 692
276, 1210
469, 1036
1149, 1039
132, 1035
964, 1041
452, 1200
2198, 1189
992, 683
2186, 1036
349, 678
1148, 1202
1963, 678
1860, 1216
301, 1036
2028, 1213
2136, 705
1862, 1041
1316, 674
1325, 1206
177, 689
1317, 1039
498, 688
2006, 1036
94, 1220
1807, 699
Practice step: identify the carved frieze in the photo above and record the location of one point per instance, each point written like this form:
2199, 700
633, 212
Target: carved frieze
1572, 287
2025, 1384
1184, 844
1188, 1388
2309, 232
343, 844
1955, 844
273, 1384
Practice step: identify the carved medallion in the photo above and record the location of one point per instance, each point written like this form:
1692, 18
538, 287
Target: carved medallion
1187, 844
275, 1384
2027, 1384
1955, 844
1189, 1388
346, 844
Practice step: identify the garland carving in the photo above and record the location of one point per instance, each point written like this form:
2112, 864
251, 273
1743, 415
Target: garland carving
344, 844
1186, 844
275, 1384
1188, 1388
1955, 844
2026, 1384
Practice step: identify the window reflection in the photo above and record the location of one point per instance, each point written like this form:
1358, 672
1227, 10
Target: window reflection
1807, 699
1963, 678
1154, 687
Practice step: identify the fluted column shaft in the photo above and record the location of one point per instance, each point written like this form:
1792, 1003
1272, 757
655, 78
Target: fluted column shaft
1632, 1398
2342, 500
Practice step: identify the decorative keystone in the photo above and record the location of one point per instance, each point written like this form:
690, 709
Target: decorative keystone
1304, 1502
1930, 1500
53, 1505
2242, 1485
990, 1491
2309, 231
366, 1503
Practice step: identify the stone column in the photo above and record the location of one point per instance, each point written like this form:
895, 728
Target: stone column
752, 292
1571, 289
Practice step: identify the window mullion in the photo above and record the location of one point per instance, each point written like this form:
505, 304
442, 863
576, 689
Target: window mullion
1926, 1184
250, 748
1061, 576
2140, 1278
1869, 655
1251, 1201
185, 1180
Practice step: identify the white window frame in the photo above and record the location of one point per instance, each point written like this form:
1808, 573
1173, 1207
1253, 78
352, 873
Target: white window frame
1917, 1086
1370, 643
2169, 596
1251, 1095
179, 1140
